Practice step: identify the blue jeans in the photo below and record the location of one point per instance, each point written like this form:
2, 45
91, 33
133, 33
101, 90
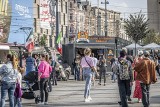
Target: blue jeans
76, 73
87, 76
17, 101
145, 94
10, 88
114, 76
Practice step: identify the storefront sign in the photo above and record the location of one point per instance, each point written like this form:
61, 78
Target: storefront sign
99, 39
82, 35
46, 8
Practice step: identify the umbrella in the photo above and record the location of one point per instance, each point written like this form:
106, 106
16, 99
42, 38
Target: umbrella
131, 46
152, 46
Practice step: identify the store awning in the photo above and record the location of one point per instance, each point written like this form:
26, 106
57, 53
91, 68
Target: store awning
93, 47
4, 47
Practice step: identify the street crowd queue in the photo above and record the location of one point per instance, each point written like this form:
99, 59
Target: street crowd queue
12, 75
125, 70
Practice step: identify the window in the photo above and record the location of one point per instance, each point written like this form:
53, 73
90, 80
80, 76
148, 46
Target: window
38, 11
35, 24
66, 7
71, 5
47, 31
41, 30
64, 17
34, 1
61, 5
71, 16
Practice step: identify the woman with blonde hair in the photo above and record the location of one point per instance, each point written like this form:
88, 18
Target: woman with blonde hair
8, 72
87, 66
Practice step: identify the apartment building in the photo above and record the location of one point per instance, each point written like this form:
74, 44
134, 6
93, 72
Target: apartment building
76, 21
153, 7
5, 20
45, 20
112, 18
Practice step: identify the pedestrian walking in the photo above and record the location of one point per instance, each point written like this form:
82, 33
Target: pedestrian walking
30, 63
18, 95
138, 91
53, 76
129, 58
76, 65
122, 67
8, 81
44, 71
88, 67
146, 74
113, 73
103, 69
95, 61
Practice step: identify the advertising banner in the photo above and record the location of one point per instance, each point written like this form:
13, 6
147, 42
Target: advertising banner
21, 20
47, 13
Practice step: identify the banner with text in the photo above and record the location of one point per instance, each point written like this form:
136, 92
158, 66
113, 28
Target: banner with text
21, 20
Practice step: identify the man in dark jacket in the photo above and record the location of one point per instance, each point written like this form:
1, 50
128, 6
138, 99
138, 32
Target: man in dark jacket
124, 76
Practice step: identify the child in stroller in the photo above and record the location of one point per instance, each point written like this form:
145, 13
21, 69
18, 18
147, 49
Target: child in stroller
29, 85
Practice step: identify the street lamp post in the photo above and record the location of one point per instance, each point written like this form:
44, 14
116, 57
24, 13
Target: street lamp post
106, 2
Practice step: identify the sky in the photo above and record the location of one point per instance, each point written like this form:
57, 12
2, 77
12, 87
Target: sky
126, 7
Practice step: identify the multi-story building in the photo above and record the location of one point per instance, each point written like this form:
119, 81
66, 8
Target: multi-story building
112, 18
5, 20
153, 7
76, 21
45, 20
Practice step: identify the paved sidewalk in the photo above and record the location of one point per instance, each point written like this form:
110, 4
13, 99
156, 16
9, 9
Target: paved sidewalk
70, 94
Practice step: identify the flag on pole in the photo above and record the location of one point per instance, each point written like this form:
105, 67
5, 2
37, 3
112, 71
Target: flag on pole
29, 45
59, 38
59, 43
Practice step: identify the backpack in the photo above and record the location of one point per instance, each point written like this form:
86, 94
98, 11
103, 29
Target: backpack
123, 70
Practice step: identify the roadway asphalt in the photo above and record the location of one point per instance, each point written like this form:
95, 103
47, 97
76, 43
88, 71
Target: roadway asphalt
70, 94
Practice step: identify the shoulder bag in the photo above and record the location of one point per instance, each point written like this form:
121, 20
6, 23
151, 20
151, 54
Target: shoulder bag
89, 64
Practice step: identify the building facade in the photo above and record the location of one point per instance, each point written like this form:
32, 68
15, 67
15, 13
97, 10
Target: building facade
153, 7
112, 19
5, 20
45, 21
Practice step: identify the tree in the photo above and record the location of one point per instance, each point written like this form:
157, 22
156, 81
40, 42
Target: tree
152, 37
136, 27
42, 41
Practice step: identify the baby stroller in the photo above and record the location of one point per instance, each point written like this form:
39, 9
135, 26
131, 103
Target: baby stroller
29, 85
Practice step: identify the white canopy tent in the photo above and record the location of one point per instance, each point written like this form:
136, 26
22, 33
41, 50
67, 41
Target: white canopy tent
151, 46
132, 46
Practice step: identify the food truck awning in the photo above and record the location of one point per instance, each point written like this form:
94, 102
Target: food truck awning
4, 47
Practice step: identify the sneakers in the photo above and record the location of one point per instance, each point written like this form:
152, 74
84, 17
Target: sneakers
41, 103
86, 100
45, 103
89, 98
129, 99
99, 83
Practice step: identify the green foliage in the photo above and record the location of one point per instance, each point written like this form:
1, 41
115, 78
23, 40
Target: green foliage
136, 27
42, 41
151, 37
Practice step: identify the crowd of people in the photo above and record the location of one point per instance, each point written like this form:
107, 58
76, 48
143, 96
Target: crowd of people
125, 70
12, 74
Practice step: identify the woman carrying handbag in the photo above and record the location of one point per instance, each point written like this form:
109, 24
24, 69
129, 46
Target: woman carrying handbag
88, 68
